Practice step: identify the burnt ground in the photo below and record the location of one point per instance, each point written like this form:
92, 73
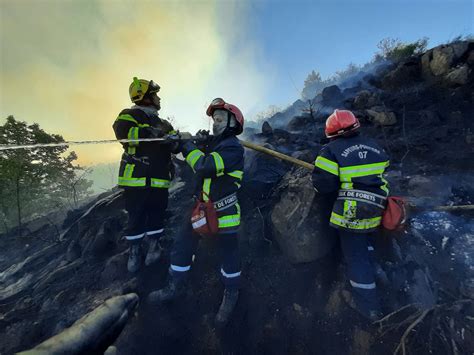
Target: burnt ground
282, 309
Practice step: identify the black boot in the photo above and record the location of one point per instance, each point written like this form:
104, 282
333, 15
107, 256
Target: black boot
173, 290
154, 252
229, 300
134, 257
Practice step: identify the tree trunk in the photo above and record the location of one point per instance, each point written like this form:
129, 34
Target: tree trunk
18, 205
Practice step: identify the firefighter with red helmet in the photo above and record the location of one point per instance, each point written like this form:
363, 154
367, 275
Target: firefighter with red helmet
353, 166
218, 165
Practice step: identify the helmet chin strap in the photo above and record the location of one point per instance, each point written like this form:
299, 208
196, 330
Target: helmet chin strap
230, 116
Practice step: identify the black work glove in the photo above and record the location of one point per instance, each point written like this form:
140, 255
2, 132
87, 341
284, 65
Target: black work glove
178, 140
202, 137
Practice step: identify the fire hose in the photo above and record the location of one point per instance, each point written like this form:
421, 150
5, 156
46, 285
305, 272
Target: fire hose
186, 135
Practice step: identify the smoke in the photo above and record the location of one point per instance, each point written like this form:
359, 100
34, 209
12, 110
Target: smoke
67, 65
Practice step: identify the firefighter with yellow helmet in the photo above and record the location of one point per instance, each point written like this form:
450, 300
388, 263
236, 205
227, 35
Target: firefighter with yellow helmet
145, 170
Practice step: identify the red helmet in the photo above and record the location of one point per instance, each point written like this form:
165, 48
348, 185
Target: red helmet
219, 103
341, 122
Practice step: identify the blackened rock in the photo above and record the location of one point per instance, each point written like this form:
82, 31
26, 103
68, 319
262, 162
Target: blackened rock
372, 80
380, 116
281, 133
421, 289
428, 190
459, 48
361, 101
470, 58
249, 131
305, 155
384, 68
467, 288
428, 117
405, 74
331, 95
115, 268
300, 220
262, 173
300, 123
74, 251
103, 240
267, 130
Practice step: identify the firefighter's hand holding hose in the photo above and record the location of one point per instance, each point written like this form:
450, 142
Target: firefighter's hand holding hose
178, 139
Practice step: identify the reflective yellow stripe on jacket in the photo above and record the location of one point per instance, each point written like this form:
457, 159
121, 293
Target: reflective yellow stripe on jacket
127, 180
327, 165
219, 163
193, 157
160, 183
347, 173
129, 118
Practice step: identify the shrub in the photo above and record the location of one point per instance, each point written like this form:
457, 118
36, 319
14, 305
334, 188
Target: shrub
393, 49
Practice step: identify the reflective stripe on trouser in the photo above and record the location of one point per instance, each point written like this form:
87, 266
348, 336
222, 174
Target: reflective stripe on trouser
360, 270
229, 219
185, 247
155, 233
345, 221
146, 212
134, 237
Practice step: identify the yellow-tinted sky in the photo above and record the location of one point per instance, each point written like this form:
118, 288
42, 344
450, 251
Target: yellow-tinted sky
67, 64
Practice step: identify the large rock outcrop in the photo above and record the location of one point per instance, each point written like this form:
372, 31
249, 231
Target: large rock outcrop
300, 220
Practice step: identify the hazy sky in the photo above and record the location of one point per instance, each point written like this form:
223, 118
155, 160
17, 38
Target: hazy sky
67, 64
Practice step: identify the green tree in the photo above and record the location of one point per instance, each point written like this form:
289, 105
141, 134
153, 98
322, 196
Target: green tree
394, 49
34, 181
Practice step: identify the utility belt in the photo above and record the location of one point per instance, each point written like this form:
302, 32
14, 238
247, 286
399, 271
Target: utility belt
226, 202
363, 196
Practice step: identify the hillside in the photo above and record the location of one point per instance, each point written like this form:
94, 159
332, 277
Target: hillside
295, 299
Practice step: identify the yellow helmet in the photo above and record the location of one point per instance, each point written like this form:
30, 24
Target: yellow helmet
140, 87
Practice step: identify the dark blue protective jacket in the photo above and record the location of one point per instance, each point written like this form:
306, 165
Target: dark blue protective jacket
143, 163
219, 172
354, 167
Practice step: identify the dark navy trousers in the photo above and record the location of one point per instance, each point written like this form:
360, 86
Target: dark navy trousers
184, 249
146, 209
358, 253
